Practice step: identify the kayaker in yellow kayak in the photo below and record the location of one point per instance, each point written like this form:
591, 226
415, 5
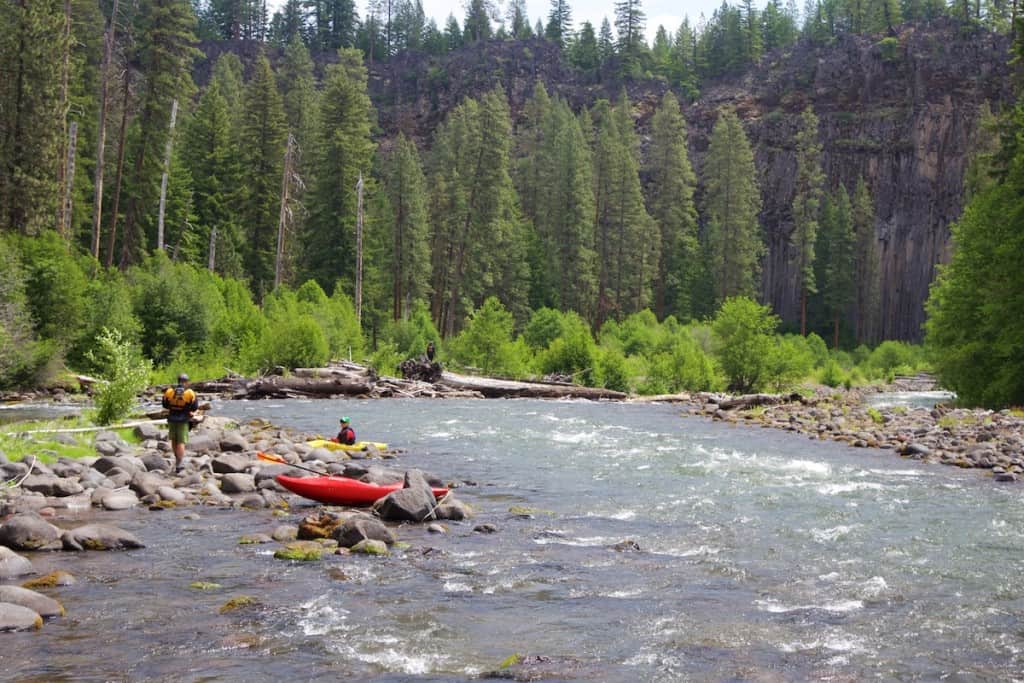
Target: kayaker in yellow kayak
346, 434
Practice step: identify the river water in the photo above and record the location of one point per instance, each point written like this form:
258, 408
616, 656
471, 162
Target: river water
762, 556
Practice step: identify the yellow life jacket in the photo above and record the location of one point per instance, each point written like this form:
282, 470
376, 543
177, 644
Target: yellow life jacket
179, 398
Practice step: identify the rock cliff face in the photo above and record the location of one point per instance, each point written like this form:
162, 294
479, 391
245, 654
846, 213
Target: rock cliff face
902, 112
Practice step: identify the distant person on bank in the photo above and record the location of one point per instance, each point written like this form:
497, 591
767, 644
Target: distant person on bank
180, 402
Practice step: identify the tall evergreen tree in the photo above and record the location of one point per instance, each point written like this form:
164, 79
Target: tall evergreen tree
868, 263
477, 25
30, 112
683, 60
670, 200
630, 22
836, 265
810, 181
406, 189
732, 202
263, 145
559, 28
343, 151
475, 204
532, 141
583, 52
210, 152
605, 42
519, 20
166, 56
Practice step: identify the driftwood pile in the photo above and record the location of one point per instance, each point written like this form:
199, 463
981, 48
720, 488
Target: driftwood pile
424, 379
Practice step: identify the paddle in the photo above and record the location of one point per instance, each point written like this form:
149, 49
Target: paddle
270, 457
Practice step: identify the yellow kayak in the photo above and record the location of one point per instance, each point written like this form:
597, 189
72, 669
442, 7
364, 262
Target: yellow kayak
357, 446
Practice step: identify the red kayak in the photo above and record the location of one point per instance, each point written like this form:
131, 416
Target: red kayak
341, 490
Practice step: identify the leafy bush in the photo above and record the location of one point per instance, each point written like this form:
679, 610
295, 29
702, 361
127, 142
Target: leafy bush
573, 353
892, 355
789, 361
487, 336
124, 374
387, 357
612, 372
832, 374
55, 286
22, 355
409, 337
681, 365
817, 348
743, 332
889, 48
295, 341
544, 327
107, 304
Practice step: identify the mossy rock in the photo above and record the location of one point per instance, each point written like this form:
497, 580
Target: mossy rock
327, 543
302, 551
238, 603
51, 580
163, 505
254, 539
510, 661
204, 585
280, 512
368, 546
523, 511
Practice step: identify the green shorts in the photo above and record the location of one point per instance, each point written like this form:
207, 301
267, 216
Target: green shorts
178, 431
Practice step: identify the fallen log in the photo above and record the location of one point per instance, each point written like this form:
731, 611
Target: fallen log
276, 387
752, 400
502, 388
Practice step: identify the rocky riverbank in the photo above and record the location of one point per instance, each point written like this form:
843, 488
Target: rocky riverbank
969, 438
40, 503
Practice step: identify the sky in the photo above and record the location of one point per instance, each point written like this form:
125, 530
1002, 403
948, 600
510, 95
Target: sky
668, 13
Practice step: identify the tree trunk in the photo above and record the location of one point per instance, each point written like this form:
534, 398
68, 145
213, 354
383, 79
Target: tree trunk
282, 218
119, 176
359, 249
69, 177
63, 220
212, 255
803, 311
835, 333
163, 178
101, 134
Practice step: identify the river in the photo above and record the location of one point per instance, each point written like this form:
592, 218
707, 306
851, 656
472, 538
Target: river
762, 556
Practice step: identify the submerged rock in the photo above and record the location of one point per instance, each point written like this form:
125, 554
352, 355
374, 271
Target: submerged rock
13, 565
361, 527
100, 537
303, 551
51, 580
17, 618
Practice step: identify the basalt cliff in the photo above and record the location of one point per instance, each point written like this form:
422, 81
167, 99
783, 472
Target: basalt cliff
902, 111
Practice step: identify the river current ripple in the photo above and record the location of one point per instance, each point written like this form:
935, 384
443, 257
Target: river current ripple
762, 556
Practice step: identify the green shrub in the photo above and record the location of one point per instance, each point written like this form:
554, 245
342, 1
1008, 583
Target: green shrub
386, 358
890, 356
295, 341
832, 375
487, 334
107, 304
22, 355
55, 286
744, 342
124, 373
889, 48
544, 327
817, 348
612, 372
682, 365
573, 353
789, 361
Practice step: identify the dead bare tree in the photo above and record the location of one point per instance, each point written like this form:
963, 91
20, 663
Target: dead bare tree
101, 133
163, 178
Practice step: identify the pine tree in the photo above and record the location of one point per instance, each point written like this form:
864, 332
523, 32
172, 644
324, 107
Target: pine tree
682, 61
30, 113
263, 145
559, 28
806, 204
605, 42
210, 152
583, 52
405, 186
343, 151
518, 20
531, 143
475, 205
477, 25
868, 263
836, 265
630, 23
732, 202
166, 56
670, 199
452, 34
625, 237
661, 53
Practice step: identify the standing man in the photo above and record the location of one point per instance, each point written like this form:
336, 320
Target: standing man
180, 401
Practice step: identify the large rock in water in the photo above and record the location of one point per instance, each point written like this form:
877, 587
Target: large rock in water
51, 485
230, 463
29, 531
360, 527
12, 564
17, 618
100, 537
414, 503
37, 602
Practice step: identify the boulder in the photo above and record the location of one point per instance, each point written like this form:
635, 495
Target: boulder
319, 525
303, 551
148, 431
110, 443
156, 462
252, 501
203, 443
51, 485
237, 482
379, 475
230, 463
146, 483
413, 503
100, 537
119, 500
37, 602
454, 510
13, 470
172, 494
360, 527
13, 565
17, 618
119, 477
67, 467
29, 531
370, 547
233, 442
107, 463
